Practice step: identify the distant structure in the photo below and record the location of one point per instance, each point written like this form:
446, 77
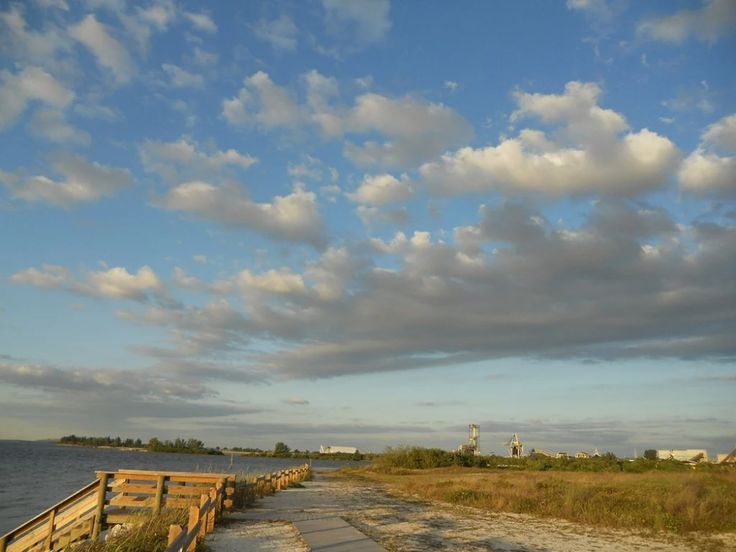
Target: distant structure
693, 456
334, 449
472, 446
582, 454
515, 446
729, 458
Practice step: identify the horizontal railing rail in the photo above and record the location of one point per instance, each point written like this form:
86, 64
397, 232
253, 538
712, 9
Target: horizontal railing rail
117, 497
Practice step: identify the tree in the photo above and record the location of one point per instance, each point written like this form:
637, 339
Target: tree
650, 454
281, 449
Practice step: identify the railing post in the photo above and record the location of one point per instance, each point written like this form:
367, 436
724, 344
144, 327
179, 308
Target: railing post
193, 520
159, 494
203, 525
174, 532
101, 495
50, 534
213, 511
3, 542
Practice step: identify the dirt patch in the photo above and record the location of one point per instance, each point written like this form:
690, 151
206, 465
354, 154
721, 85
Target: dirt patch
257, 536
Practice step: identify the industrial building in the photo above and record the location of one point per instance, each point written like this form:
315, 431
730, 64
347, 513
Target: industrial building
693, 456
335, 449
729, 458
473, 444
515, 446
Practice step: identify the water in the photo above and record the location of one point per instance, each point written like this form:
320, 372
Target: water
36, 475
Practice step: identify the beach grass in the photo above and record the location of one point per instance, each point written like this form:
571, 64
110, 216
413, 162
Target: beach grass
678, 502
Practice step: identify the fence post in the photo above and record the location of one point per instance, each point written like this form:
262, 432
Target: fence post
193, 520
101, 494
203, 525
2, 543
50, 534
212, 511
174, 532
159, 494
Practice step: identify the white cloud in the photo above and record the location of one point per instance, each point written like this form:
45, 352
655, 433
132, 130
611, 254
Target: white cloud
293, 217
83, 181
417, 130
52, 125
382, 189
184, 159
592, 150
281, 281
280, 33
201, 21
713, 20
109, 53
33, 83
50, 276
201, 259
180, 77
262, 102
118, 283
722, 133
451, 85
37, 47
370, 18
706, 170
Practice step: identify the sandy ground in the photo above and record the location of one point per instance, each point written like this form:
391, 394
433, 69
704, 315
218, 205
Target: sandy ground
257, 536
403, 524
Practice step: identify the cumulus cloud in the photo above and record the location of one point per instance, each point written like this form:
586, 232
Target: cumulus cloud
367, 21
708, 170
83, 181
108, 51
34, 46
201, 22
292, 217
112, 283
592, 150
382, 189
181, 77
280, 33
714, 19
31, 84
52, 125
49, 276
185, 159
262, 102
415, 130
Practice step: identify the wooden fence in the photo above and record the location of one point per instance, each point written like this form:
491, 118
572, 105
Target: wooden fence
121, 496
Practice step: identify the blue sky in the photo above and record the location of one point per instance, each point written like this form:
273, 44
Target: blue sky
369, 223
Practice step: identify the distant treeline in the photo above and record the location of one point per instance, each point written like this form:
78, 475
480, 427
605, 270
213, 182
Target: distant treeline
425, 458
186, 446
282, 450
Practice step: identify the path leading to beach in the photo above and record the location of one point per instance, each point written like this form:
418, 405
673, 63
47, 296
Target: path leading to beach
407, 525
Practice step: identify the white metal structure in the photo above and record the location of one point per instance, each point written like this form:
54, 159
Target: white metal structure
515, 446
333, 449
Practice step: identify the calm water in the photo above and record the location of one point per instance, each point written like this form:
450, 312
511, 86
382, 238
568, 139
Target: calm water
34, 476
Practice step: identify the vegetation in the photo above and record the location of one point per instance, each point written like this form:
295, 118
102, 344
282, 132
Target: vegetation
676, 501
186, 446
282, 450
425, 458
149, 534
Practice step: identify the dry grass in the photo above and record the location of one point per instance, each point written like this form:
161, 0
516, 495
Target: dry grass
677, 502
149, 533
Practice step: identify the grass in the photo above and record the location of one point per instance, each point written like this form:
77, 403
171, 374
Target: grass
678, 502
149, 533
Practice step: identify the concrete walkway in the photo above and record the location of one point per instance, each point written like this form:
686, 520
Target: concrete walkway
311, 510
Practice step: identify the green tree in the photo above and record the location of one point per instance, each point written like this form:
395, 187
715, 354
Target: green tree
650, 454
281, 449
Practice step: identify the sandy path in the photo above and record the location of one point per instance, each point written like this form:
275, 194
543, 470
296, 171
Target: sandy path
406, 525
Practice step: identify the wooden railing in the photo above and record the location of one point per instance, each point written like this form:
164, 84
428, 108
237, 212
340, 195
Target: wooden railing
121, 496
202, 518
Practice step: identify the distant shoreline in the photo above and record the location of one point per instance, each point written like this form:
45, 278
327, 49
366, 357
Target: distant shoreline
79, 445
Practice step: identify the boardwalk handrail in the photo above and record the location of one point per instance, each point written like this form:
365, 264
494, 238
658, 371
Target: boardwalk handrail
87, 512
202, 519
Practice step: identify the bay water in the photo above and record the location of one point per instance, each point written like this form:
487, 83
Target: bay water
34, 475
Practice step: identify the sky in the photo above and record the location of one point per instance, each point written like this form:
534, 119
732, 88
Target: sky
370, 223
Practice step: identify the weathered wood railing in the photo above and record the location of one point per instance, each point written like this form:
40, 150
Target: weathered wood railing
120, 497
202, 518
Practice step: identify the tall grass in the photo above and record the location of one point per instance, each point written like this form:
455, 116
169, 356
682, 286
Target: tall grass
147, 533
676, 502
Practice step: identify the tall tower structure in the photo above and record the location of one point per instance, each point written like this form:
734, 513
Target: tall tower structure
515, 446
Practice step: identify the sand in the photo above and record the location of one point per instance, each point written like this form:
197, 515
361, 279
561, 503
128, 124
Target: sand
405, 524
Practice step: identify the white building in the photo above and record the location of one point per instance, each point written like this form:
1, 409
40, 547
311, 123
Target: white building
333, 449
684, 455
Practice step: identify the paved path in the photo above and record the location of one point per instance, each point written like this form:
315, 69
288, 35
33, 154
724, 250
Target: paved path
277, 522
